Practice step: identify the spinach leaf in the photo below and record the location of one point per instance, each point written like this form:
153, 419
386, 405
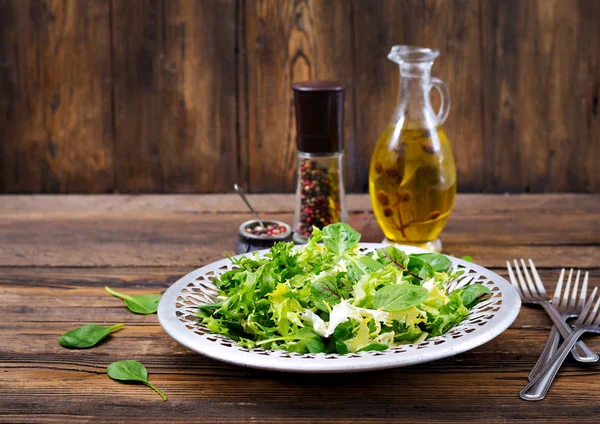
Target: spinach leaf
369, 264
448, 315
303, 341
131, 371
398, 297
467, 258
395, 255
309, 341
339, 238
471, 294
374, 346
325, 289
360, 266
402, 261
86, 336
418, 267
144, 304
343, 331
438, 262
354, 272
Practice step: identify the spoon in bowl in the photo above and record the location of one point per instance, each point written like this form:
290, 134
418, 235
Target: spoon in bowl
245, 199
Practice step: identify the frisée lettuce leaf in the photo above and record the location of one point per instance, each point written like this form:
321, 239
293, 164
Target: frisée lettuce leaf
328, 297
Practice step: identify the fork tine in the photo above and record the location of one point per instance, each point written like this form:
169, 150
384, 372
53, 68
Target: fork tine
583, 293
537, 279
513, 280
565, 297
586, 308
521, 280
591, 318
556, 298
532, 288
573, 300
597, 321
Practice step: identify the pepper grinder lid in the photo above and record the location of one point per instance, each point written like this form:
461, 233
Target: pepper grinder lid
319, 116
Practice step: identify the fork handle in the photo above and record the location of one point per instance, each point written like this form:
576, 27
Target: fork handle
549, 349
538, 387
581, 352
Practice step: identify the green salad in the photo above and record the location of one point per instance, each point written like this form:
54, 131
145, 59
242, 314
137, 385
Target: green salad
327, 296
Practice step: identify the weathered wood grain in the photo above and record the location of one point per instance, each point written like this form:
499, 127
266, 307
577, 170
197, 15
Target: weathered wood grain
55, 102
175, 95
194, 240
452, 27
43, 382
63, 296
287, 42
189, 232
42, 374
191, 96
540, 60
475, 204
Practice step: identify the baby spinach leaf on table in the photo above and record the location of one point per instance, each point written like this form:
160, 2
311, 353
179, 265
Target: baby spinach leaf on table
145, 304
471, 294
339, 238
87, 336
398, 297
438, 262
130, 370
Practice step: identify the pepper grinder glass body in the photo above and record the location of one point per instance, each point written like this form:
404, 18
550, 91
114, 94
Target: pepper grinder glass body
320, 199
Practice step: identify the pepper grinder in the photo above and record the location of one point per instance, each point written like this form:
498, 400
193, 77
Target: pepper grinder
320, 197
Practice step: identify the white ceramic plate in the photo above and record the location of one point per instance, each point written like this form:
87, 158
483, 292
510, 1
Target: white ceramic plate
484, 322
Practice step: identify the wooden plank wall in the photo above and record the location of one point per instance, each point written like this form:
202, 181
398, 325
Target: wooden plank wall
192, 95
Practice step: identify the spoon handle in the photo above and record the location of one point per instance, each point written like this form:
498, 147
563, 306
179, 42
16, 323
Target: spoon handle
243, 196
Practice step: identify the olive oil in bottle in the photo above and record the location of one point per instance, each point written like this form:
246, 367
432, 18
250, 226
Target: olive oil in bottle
412, 183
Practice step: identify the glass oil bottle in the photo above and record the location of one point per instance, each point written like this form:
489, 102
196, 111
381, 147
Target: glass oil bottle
412, 176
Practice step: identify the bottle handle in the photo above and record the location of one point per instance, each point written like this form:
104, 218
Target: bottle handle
442, 88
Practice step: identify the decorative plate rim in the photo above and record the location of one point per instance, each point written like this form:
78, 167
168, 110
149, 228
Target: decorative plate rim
481, 325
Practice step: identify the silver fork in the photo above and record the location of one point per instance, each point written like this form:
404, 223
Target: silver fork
536, 294
588, 322
568, 308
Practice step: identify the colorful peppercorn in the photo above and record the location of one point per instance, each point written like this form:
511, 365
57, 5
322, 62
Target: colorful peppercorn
271, 229
320, 197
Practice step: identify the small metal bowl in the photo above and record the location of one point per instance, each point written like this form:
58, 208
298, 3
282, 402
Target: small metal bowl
253, 223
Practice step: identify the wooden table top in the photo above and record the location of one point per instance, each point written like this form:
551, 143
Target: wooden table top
58, 252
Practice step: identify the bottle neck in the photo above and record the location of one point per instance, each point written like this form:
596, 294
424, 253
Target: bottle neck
414, 104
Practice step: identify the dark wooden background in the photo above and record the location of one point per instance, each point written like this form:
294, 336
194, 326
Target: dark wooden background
191, 96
